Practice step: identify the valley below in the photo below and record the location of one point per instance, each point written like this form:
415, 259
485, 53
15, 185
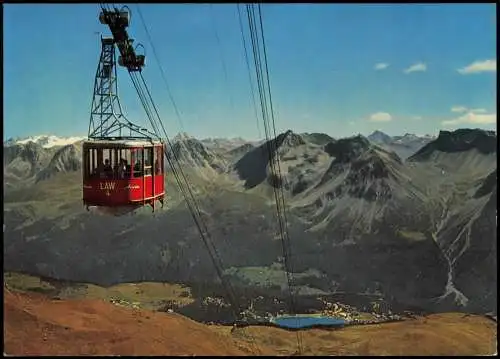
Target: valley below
375, 235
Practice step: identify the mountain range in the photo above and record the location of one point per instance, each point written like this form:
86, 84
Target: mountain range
404, 146
46, 141
409, 218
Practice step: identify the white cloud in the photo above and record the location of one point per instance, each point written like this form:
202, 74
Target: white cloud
462, 109
459, 109
380, 117
417, 117
473, 117
418, 67
381, 66
479, 66
351, 123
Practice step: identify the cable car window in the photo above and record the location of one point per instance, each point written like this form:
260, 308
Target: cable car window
91, 163
162, 159
107, 165
95, 163
115, 163
99, 164
138, 158
88, 164
153, 161
148, 160
124, 159
158, 168
128, 162
93, 166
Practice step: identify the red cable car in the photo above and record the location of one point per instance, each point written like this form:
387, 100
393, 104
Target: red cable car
123, 166
122, 175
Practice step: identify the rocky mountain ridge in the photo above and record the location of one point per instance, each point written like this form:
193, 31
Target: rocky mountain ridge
405, 145
364, 219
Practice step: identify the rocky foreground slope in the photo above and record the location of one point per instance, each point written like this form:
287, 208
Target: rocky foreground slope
37, 325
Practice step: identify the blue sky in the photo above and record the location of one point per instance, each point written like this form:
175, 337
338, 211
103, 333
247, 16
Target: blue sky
338, 69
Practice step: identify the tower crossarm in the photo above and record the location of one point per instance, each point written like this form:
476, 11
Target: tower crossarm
118, 21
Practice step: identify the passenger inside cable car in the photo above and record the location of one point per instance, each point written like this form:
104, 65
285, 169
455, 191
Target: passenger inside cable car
138, 169
121, 168
108, 171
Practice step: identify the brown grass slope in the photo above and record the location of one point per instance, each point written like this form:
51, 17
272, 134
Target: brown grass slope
437, 334
35, 325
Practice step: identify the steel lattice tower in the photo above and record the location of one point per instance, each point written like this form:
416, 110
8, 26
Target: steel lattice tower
106, 113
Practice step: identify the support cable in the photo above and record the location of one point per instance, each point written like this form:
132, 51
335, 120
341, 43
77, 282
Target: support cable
274, 162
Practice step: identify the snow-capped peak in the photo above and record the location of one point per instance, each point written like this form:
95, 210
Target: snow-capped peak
48, 141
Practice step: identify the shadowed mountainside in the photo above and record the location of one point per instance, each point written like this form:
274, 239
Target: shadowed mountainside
459, 141
66, 159
360, 220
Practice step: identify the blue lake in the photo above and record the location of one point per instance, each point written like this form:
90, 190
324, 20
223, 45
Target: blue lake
306, 322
